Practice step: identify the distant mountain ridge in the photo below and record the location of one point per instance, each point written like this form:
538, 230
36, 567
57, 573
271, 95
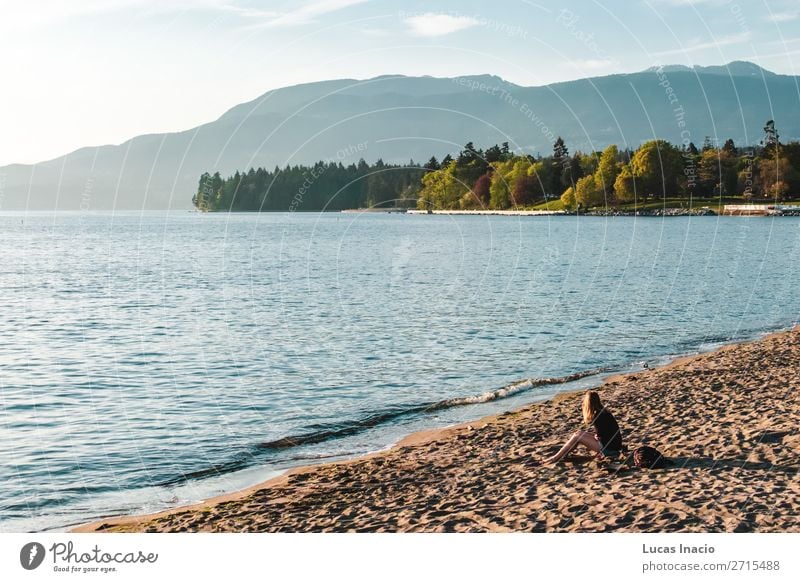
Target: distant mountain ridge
735, 68
396, 118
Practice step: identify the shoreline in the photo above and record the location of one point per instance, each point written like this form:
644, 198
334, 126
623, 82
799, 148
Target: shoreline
311, 492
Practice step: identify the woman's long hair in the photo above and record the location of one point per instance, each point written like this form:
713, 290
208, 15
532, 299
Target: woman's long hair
591, 406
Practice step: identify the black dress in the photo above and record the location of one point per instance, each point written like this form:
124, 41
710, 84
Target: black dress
608, 433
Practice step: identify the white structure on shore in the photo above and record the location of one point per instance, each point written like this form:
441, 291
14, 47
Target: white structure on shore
491, 212
756, 209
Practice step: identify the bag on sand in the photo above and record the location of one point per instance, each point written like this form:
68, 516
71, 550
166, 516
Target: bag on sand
646, 457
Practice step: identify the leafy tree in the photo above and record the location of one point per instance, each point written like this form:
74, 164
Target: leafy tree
542, 171
568, 199
716, 174
525, 189
791, 153
441, 190
608, 169
625, 185
657, 166
500, 198
774, 177
481, 190
779, 190
500, 189
587, 194
708, 173
584, 164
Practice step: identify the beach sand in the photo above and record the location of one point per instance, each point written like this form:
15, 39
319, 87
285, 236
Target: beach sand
728, 418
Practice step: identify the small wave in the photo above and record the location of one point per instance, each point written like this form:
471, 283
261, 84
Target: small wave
237, 463
325, 432
516, 388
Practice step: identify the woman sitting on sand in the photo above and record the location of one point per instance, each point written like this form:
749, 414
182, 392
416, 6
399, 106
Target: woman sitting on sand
606, 440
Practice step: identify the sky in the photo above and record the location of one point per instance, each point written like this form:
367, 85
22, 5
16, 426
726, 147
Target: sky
91, 72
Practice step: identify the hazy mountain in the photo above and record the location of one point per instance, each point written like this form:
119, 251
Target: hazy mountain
397, 118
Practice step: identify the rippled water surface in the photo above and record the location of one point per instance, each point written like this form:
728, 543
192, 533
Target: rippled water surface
149, 360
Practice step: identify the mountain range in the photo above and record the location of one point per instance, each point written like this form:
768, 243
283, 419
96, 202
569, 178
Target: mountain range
398, 118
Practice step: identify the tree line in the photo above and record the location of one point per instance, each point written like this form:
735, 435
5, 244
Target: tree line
498, 178
657, 170
327, 185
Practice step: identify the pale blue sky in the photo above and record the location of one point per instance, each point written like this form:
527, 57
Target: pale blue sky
89, 72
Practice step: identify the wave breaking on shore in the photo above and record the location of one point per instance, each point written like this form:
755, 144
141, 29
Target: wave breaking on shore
319, 433
324, 432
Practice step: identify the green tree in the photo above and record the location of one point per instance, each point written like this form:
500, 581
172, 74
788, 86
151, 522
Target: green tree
730, 148
560, 150
442, 190
587, 194
432, 165
708, 173
541, 172
625, 185
568, 199
716, 173
502, 181
608, 169
493, 154
657, 167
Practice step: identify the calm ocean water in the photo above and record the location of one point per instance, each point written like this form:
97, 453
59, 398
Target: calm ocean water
149, 360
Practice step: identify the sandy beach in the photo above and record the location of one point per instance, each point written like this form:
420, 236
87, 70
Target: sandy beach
727, 418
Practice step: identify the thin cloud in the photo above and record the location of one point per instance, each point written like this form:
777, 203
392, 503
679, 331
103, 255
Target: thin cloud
782, 16
248, 12
691, 2
27, 15
307, 13
697, 45
432, 24
783, 42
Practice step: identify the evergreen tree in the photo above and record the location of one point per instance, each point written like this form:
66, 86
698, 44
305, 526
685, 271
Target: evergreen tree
432, 164
730, 148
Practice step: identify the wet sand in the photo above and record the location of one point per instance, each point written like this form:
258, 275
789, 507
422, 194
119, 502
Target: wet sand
728, 418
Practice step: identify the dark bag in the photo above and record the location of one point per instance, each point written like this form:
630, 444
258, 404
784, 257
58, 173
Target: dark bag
646, 457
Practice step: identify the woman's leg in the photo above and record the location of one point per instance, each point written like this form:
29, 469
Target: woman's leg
582, 437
